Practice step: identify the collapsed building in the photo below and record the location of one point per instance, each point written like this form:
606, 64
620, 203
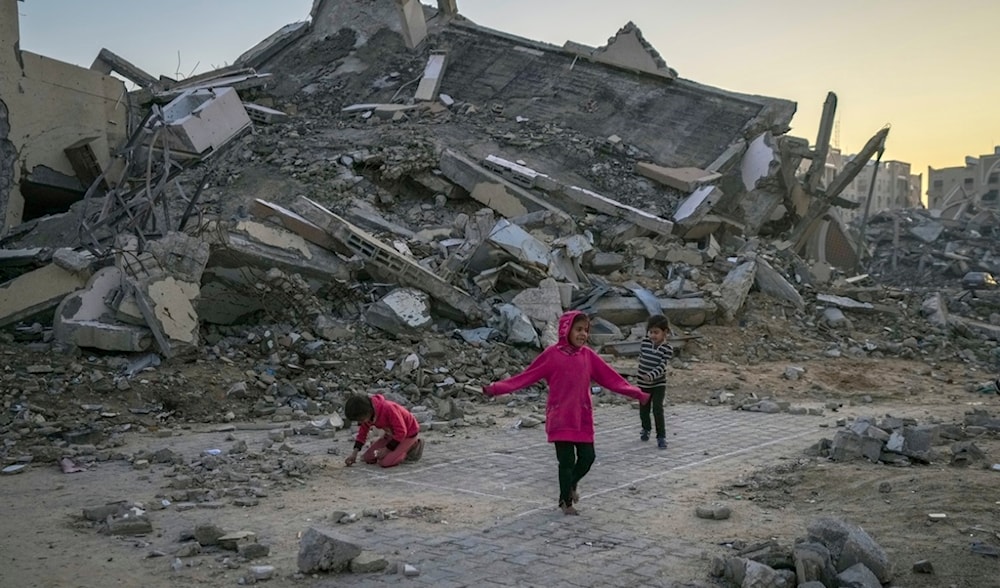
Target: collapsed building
400, 164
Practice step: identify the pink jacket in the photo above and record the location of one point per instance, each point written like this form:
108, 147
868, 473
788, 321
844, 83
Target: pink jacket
394, 419
568, 370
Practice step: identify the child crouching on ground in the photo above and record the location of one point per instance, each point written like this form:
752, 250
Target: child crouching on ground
399, 441
568, 367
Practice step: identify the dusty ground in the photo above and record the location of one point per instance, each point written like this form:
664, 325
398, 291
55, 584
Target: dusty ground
46, 544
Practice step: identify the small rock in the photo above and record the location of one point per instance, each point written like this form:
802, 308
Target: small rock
261, 573
368, 562
923, 566
410, 571
714, 512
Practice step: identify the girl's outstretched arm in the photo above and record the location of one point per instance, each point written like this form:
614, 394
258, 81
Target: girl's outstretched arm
537, 371
607, 377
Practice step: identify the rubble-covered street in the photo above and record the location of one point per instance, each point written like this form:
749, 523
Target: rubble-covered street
392, 199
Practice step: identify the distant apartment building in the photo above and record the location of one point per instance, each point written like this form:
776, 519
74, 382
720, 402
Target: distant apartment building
895, 187
952, 190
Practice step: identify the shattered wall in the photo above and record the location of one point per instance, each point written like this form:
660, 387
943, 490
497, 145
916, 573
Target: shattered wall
365, 18
47, 106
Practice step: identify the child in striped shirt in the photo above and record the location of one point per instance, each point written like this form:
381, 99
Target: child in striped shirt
653, 357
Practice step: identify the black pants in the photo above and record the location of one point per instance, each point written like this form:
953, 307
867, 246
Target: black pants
657, 394
575, 460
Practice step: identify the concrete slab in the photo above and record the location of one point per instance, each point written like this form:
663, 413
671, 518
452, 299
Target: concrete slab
411, 15
684, 312
684, 179
694, 208
490, 189
262, 52
430, 84
640, 218
37, 292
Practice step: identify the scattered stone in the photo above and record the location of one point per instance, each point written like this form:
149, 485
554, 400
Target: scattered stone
321, 550
367, 563
713, 512
923, 566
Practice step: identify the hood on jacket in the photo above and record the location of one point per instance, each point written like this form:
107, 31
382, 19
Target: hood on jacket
565, 324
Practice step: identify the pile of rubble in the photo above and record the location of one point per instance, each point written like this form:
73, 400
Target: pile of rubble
835, 553
396, 198
901, 442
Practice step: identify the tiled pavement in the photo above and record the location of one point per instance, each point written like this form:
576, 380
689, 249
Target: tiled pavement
609, 544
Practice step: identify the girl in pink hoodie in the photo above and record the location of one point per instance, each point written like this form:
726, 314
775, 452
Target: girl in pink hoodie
568, 367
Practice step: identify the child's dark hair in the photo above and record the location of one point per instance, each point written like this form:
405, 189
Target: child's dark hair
579, 319
658, 321
358, 407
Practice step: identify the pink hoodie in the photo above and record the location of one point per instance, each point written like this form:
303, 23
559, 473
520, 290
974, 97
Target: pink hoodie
568, 370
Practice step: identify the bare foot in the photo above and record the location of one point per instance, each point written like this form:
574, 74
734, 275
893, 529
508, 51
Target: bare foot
569, 510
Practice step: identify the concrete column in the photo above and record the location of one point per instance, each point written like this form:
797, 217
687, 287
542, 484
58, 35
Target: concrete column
448, 7
411, 14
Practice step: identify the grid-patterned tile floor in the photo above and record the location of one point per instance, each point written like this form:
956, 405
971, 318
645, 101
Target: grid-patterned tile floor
534, 544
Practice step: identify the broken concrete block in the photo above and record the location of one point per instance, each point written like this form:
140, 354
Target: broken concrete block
202, 121
80, 262
927, 232
603, 263
166, 281
694, 208
321, 550
858, 576
404, 312
913, 442
813, 563
414, 23
265, 115
603, 332
517, 327
835, 319
367, 563
846, 446
685, 179
37, 291
736, 287
128, 524
543, 305
83, 318
770, 282
849, 544
675, 253
433, 75
936, 311
519, 243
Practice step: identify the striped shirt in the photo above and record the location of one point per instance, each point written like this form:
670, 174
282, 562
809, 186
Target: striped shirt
653, 362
